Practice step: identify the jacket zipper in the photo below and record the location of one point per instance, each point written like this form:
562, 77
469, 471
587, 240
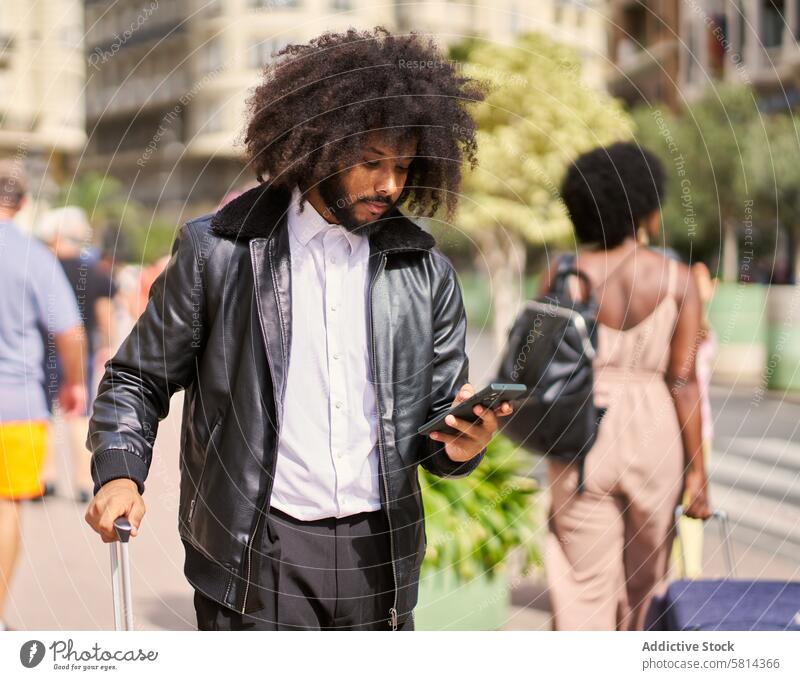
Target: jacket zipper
393, 610
280, 426
203, 471
249, 552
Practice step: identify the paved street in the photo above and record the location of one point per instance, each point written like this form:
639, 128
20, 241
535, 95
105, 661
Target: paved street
62, 580
755, 478
63, 575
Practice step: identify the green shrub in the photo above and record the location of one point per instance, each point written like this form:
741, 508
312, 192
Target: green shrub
474, 522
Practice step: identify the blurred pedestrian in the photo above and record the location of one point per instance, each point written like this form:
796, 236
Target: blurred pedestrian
607, 549
38, 318
114, 262
68, 234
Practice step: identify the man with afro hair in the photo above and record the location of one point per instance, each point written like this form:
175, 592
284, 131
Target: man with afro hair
315, 328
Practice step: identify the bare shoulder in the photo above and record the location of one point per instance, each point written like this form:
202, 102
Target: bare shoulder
685, 287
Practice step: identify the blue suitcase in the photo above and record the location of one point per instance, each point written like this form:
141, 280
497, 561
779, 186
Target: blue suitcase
725, 604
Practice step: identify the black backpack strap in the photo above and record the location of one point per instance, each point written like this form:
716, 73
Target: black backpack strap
565, 268
581, 474
564, 265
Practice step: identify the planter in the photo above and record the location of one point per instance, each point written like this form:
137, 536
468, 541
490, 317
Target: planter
446, 603
472, 525
782, 365
737, 314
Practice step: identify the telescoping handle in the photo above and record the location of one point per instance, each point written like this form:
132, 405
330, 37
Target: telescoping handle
724, 533
121, 576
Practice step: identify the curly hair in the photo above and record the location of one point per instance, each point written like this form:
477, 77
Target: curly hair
308, 118
608, 190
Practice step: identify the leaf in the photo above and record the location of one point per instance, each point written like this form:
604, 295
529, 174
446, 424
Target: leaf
474, 522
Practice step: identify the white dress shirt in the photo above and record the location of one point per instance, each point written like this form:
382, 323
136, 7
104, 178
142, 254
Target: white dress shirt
327, 452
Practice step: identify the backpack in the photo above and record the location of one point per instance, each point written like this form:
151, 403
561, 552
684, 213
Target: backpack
550, 348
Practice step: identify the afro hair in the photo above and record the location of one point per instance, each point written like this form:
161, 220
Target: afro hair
609, 190
308, 118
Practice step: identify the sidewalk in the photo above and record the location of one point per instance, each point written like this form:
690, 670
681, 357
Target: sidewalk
530, 604
62, 579
63, 575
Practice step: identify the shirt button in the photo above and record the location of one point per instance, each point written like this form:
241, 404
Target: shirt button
338, 404
333, 308
337, 355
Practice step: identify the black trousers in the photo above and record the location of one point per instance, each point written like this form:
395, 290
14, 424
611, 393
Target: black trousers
333, 574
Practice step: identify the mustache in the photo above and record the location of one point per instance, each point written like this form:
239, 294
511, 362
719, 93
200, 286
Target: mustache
376, 199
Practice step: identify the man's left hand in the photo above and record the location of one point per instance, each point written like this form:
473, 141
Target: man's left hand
472, 438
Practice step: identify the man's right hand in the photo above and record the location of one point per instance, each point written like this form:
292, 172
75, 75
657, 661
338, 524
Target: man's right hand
114, 499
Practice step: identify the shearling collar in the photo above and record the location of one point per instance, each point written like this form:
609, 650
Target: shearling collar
259, 211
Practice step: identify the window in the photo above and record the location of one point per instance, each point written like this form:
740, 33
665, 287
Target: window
208, 118
797, 19
259, 53
634, 23
691, 56
772, 22
211, 56
742, 27
273, 4
716, 41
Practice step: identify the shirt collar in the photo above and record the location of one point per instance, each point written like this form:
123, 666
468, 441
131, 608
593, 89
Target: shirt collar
307, 224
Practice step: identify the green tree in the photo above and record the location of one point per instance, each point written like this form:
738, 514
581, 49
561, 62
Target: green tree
104, 200
537, 117
101, 197
707, 177
771, 154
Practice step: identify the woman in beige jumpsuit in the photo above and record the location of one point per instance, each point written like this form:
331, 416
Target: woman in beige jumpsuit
607, 549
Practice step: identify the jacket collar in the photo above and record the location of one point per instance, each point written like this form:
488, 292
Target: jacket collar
262, 211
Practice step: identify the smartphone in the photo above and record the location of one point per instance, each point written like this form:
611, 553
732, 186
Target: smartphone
490, 396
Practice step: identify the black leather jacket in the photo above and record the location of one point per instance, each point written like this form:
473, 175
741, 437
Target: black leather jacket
218, 325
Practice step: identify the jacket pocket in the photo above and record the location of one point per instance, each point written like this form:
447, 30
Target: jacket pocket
212, 441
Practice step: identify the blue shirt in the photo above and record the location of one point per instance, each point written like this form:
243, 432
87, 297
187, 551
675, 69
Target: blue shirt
36, 303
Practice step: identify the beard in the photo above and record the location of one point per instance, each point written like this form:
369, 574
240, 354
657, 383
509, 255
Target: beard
342, 207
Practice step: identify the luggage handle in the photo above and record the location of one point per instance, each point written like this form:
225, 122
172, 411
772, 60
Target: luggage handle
724, 532
121, 575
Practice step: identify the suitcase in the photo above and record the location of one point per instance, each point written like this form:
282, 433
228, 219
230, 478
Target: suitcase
724, 604
121, 576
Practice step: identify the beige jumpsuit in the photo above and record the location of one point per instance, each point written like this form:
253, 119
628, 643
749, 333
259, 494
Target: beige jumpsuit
607, 550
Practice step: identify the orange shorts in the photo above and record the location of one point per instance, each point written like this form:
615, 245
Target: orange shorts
22, 450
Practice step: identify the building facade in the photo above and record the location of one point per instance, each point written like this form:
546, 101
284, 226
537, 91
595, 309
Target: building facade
644, 47
672, 50
167, 80
42, 75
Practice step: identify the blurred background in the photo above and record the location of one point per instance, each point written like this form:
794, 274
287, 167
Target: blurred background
133, 111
